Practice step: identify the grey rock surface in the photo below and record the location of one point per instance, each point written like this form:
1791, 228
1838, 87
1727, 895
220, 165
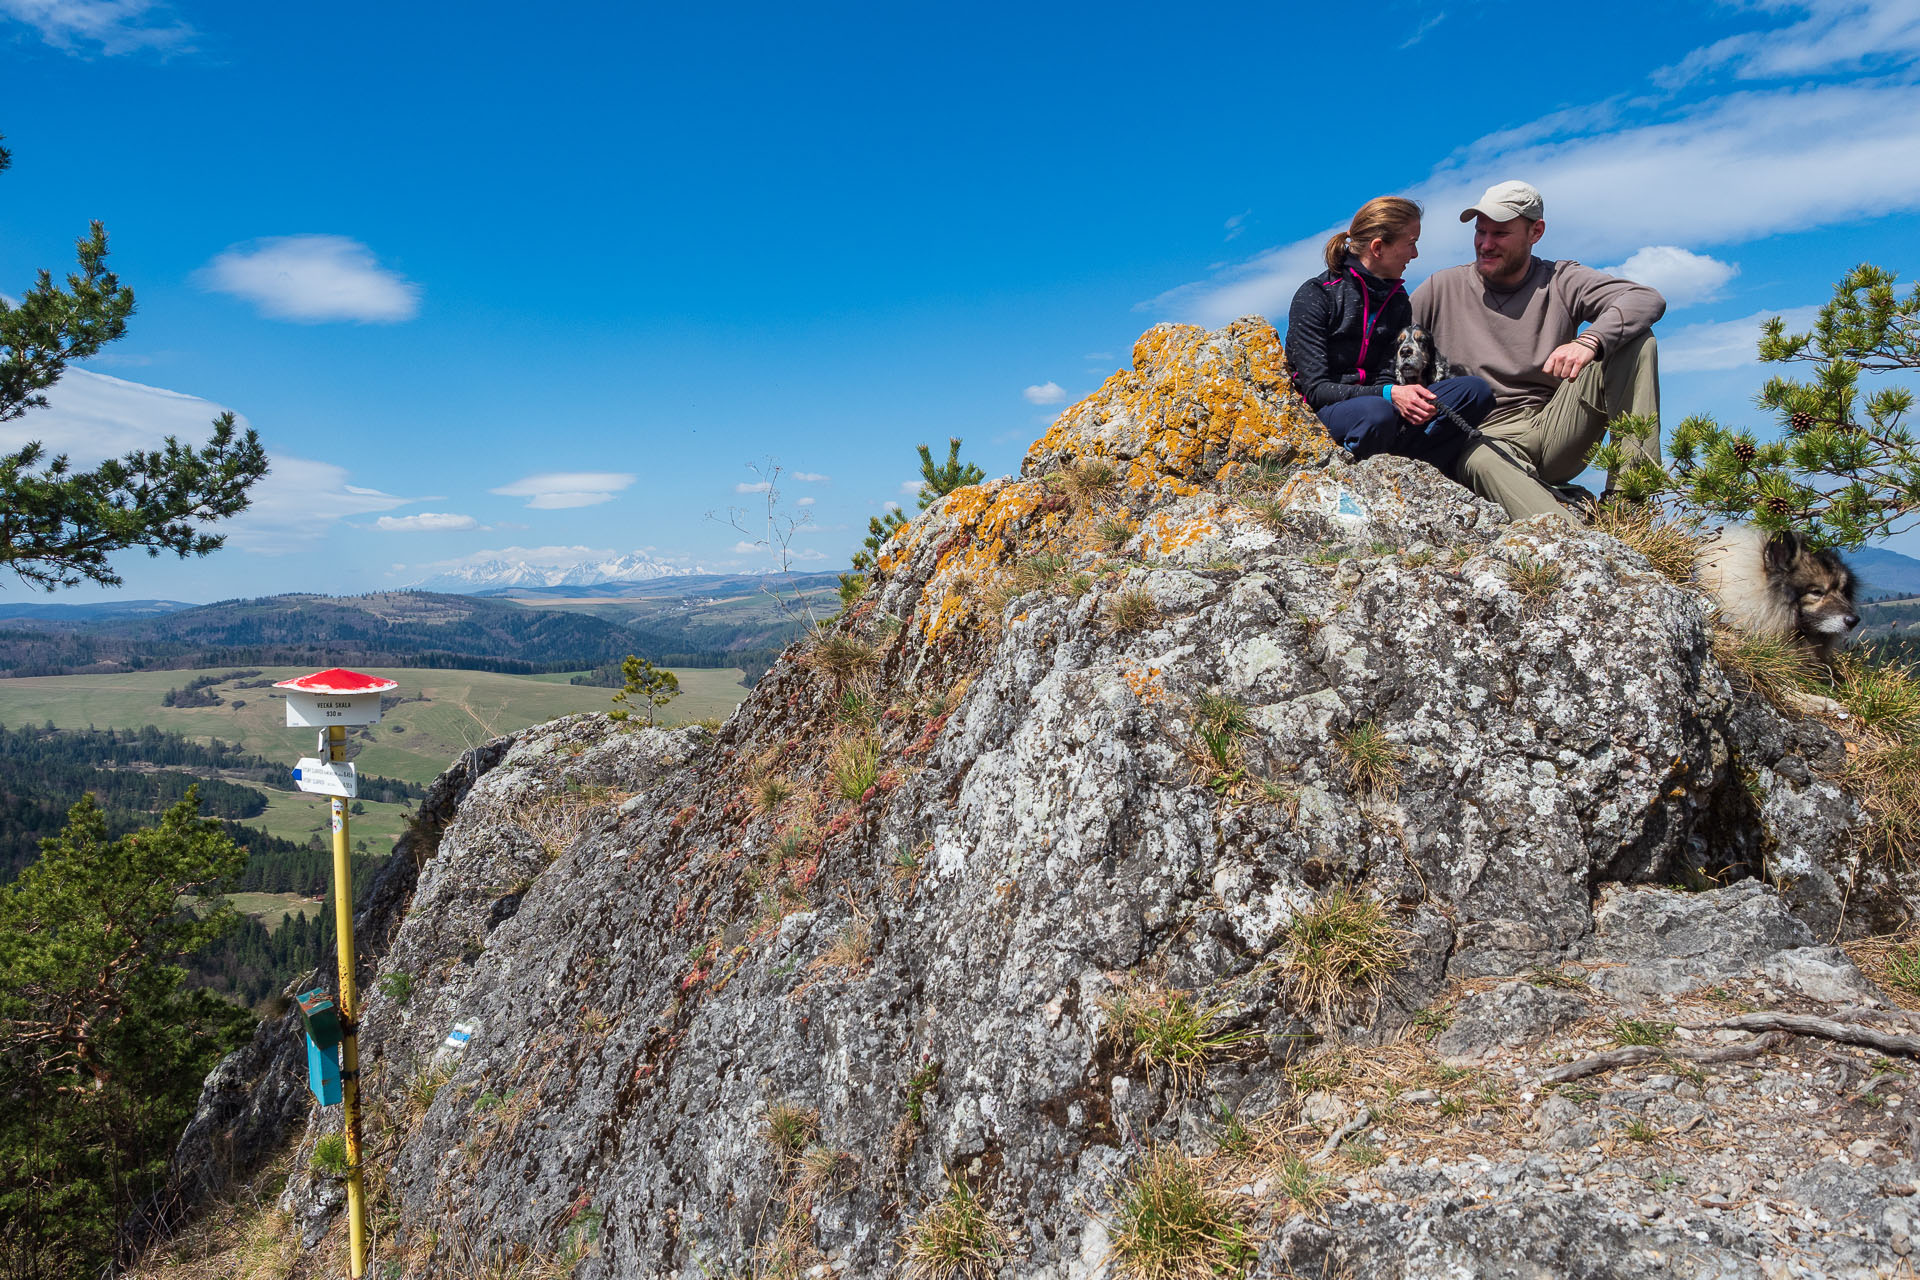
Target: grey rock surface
897, 906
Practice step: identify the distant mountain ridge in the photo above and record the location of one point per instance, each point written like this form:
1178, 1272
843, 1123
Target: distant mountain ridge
506, 571
1885, 573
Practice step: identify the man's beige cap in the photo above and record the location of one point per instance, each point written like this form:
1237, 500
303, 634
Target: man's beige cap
1506, 201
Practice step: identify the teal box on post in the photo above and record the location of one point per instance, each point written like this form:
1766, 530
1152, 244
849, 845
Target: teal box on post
320, 1018
323, 1072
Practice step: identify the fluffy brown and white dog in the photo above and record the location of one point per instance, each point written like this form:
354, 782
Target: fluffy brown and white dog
1777, 585
1416, 361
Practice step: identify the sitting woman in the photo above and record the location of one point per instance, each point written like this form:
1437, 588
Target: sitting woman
1341, 333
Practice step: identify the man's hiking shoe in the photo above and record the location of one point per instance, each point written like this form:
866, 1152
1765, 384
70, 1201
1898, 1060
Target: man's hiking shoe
1574, 495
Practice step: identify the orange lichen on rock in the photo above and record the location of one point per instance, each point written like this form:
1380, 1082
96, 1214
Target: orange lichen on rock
983, 530
1145, 683
1193, 401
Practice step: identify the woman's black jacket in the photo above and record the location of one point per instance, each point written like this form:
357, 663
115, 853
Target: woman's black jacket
1323, 333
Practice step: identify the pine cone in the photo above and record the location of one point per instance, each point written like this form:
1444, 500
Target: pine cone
1744, 450
1780, 506
1800, 423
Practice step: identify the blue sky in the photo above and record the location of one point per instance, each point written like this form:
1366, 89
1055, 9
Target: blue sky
486, 279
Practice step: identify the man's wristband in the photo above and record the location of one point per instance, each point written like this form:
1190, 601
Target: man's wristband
1386, 392
1588, 341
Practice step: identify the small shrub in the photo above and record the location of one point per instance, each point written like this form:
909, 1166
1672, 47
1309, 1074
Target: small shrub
330, 1156
1373, 759
790, 1128
1171, 1030
854, 767
841, 657
1115, 533
1215, 760
1339, 947
1078, 585
852, 587
956, 1238
1087, 478
1168, 1223
397, 986
1636, 1031
1131, 610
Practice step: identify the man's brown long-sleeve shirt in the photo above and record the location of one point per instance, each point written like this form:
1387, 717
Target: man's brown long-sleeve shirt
1506, 336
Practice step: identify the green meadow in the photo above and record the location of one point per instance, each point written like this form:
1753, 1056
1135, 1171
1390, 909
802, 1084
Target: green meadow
415, 741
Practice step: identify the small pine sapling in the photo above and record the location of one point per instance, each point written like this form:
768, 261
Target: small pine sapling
648, 685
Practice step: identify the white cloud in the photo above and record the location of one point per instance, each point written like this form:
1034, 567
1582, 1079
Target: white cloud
425, 522
912, 488
297, 502
116, 26
1420, 32
312, 279
1235, 225
1045, 393
553, 491
1724, 172
804, 502
811, 477
1834, 35
757, 486
890, 505
806, 553
90, 416
1098, 355
745, 548
1725, 344
1682, 278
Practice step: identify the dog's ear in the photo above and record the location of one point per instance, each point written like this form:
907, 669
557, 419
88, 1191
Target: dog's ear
1783, 549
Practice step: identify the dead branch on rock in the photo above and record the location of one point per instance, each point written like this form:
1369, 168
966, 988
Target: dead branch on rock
1801, 1024
1634, 1054
1341, 1134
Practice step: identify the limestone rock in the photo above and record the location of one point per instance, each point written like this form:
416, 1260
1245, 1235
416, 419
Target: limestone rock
1096, 740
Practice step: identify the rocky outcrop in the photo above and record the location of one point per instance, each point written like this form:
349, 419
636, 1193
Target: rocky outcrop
1100, 737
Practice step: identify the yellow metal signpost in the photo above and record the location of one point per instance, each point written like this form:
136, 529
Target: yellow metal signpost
332, 700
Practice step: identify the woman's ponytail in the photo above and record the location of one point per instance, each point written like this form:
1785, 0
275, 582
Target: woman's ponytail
1381, 218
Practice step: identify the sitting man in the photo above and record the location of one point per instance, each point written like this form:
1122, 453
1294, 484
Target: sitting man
1514, 320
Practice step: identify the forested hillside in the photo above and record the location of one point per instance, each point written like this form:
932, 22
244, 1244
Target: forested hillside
401, 628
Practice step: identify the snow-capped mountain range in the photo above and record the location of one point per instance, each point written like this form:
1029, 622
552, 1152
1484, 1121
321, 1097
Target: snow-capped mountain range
509, 570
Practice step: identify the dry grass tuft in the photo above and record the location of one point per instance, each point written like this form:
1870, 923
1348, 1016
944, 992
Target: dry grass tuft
1775, 667
1168, 1224
1087, 478
790, 1128
1886, 777
1131, 610
825, 1170
851, 948
1267, 509
956, 1238
245, 1237
1670, 546
841, 657
1338, 949
557, 819
854, 767
1172, 1031
1535, 579
1115, 533
1373, 759
770, 793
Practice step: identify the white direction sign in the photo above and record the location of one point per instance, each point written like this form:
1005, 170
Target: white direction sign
325, 778
305, 710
